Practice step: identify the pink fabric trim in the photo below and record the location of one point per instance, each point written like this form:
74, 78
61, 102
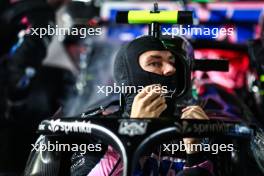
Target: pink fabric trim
107, 163
208, 165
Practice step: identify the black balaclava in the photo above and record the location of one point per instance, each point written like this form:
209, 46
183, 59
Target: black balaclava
128, 72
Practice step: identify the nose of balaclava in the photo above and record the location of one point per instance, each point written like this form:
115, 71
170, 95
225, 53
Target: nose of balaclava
128, 72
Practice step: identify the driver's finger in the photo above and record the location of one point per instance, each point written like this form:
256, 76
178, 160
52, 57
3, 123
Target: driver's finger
146, 90
157, 102
152, 95
194, 109
191, 107
161, 108
194, 114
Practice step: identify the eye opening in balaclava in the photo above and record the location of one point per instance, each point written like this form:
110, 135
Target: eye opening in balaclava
154, 54
128, 72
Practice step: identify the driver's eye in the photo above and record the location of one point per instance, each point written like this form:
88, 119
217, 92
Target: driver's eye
155, 64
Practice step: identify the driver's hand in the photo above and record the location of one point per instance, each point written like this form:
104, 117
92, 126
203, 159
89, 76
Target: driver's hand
193, 112
149, 102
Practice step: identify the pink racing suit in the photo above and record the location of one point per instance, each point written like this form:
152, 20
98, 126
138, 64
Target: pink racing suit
110, 164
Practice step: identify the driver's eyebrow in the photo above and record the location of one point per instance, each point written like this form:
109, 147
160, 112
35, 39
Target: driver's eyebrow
155, 56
